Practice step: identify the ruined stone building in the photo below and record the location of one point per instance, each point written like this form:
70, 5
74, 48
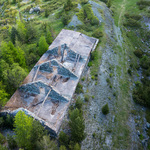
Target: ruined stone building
46, 92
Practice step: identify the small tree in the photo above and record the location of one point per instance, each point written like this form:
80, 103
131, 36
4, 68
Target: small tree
68, 5
77, 147
49, 37
13, 35
11, 142
62, 147
23, 130
65, 19
46, 12
77, 126
46, 144
105, 109
63, 138
43, 46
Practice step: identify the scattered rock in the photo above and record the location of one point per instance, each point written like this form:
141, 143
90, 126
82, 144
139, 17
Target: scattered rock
137, 117
138, 133
148, 125
113, 119
31, 11
35, 9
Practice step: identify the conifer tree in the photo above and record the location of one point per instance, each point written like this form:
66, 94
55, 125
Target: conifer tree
77, 126
13, 35
23, 129
49, 37
43, 46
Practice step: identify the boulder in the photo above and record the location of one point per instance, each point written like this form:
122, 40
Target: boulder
138, 133
148, 125
36, 9
31, 11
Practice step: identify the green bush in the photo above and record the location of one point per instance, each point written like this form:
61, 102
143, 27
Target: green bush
3, 147
129, 72
86, 98
11, 142
83, 2
68, 5
132, 23
138, 53
83, 79
79, 88
133, 16
143, 2
86, 15
141, 94
145, 62
90, 64
63, 139
79, 103
105, 109
108, 80
97, 33
2, 139
65, 19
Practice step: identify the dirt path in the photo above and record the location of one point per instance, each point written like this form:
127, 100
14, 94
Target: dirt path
121, 13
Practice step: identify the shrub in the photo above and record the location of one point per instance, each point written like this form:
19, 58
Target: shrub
108, 80
105, 109
141, 95
1, 122
133, 16
110, 74
109, 3
132, 23
79, 103
2, 139
97, 33
129, 72
94, 135
11, 142
83, 2
3, 147
68, 5
65, 19
62, 147
89, 64
8, 122
79, 88
46, 12
138, 53
86, 15
63, 139
93, 77
86, 97
145, 62
77, 147
83, 79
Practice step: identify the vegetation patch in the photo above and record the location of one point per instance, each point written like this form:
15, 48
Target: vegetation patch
105, 109
79, 88
86, 15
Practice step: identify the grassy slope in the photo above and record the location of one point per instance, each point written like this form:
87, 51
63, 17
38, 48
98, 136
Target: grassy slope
120, 7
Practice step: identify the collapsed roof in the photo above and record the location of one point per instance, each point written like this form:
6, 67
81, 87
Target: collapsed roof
47, 91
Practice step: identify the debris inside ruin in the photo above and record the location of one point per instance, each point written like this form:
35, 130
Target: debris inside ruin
47, 91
